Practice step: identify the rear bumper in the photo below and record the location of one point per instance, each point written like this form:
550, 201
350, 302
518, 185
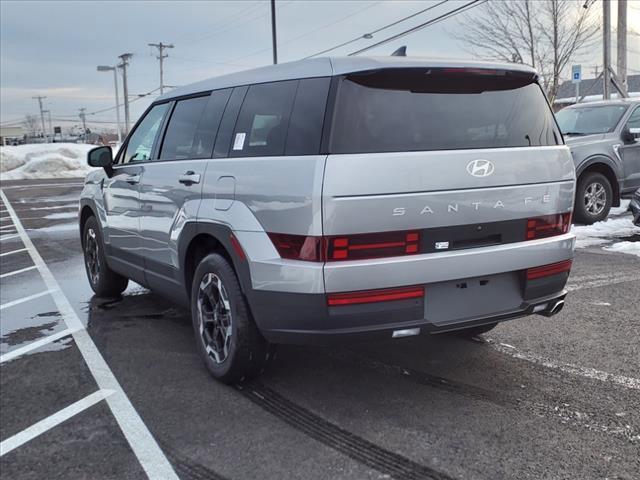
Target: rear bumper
306, 319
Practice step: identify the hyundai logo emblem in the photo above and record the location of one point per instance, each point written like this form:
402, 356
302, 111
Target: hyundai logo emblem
480, 168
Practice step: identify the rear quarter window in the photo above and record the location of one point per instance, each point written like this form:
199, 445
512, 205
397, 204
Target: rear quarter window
430, 109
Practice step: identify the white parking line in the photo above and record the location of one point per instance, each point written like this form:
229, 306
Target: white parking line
9, 237
18, 352
12, 252
16, 272
144, 446
25, 299
627, 382
48, 423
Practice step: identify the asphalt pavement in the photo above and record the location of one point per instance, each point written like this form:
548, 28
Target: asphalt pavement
113, 389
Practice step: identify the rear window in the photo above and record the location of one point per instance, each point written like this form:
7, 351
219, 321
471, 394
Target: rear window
590, 120
439, 109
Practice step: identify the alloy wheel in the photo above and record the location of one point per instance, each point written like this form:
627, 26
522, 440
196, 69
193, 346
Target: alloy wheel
214, 317
91, 256
595, 198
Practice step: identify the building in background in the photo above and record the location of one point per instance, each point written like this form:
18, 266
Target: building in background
11, 135
592, 89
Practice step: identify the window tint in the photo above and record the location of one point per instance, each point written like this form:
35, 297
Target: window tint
418, 109
225, 132
634, 119
261, 129
305, 127
140, 144
179, 139
208, 127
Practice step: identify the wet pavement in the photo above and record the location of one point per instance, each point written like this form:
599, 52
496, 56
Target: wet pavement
534, 398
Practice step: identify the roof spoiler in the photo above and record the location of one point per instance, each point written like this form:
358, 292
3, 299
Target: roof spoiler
401, 52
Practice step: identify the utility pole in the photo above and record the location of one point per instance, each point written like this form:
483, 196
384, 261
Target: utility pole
40, 98
48, 112
622, 45
606, 49
273, 32
161, 46
83, 117
123, 66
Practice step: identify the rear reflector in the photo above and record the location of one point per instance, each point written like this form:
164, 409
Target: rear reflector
374, 296
548, 270
548, 226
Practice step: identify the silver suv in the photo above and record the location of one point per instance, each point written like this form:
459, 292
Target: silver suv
337, 198
604, 138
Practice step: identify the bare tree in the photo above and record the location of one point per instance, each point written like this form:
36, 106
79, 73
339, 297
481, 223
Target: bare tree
546, 34
31, 123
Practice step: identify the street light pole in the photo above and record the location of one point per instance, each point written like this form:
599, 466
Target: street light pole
606, 49
125, 62
622, 45
106, 68
273, 32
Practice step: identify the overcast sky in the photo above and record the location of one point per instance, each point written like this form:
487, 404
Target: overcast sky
52, 48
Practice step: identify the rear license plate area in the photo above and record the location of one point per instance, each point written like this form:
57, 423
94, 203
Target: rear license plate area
470, 298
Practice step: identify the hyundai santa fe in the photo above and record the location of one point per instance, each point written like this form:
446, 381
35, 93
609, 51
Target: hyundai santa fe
336, 199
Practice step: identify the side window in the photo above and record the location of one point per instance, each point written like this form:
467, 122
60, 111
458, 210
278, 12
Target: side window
305, 127
141, 141
261, 129
223, 139
634, 119
179, 140
208, 128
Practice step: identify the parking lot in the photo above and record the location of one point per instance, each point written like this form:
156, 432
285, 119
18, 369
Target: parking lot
113, 389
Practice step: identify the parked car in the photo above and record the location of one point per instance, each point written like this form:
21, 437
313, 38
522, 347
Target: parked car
337, 198
604, 138
634, 206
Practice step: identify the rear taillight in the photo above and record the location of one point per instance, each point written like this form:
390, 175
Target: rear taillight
374, 296
346, 247
548, 270
548, 226
298, 247
373, 245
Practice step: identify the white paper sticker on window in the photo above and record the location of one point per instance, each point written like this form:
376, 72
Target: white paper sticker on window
238, 143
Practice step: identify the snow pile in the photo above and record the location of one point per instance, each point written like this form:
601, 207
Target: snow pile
44, 160
604, 232
625, 247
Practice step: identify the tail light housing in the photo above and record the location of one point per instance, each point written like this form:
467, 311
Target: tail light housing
374, 296
548, 226
548, 270
346, 247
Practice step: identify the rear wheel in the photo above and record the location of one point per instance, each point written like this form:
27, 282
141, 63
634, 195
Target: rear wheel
594, 197
104, 281
227, 338
475, 331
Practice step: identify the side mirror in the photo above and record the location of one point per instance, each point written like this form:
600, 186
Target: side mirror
100, 157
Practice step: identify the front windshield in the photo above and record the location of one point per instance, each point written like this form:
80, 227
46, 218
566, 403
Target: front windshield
589, 120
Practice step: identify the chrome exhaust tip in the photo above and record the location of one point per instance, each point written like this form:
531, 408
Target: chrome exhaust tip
554, 309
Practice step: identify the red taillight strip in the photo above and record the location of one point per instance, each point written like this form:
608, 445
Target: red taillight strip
548, 270
235, 243
548, 226
374, 296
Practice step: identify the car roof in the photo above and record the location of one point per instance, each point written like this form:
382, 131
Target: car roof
601, 103
329, 66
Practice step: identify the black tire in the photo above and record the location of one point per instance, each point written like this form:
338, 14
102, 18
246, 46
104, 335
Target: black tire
244, 353
475, 331
594, 197
104, 281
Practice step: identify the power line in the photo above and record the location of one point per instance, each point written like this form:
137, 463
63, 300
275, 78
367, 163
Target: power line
444, 16
370, 34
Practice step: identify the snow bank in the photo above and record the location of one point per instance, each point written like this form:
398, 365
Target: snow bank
625, 247
44, 160
604, 232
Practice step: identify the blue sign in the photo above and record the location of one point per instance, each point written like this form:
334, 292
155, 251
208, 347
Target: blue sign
576, 73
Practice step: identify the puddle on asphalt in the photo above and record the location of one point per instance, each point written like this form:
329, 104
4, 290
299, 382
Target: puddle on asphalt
35, 331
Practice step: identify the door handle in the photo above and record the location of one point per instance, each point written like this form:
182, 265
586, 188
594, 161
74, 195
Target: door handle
132, 179
189, 177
